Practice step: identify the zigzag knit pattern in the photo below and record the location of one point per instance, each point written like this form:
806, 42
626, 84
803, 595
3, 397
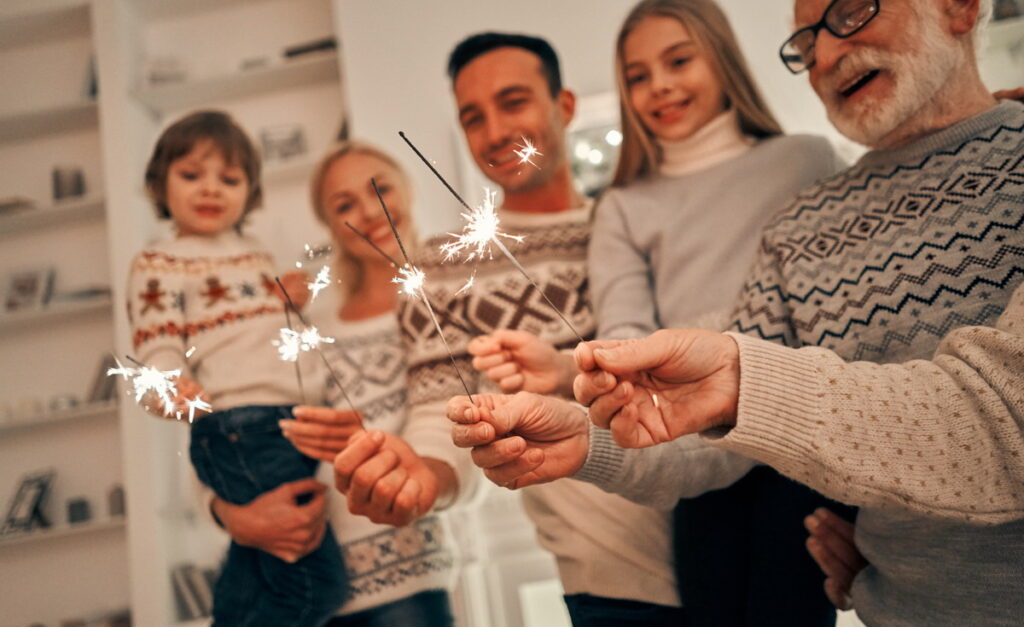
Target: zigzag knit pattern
880, 262
501, 298
390, 558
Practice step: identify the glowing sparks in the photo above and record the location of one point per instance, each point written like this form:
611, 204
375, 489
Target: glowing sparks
194, 405
526, 151
480, 232
410, 281
152, 383
190, 352
290, 343
322, 280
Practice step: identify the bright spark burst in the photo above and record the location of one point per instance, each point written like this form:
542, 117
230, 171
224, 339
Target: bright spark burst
146, 380
196, 404
526, 151
190, 352
322, 280
480, 232
290, 343
410, 281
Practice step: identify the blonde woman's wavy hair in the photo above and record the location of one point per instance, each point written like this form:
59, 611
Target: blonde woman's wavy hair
639, 154
348, 268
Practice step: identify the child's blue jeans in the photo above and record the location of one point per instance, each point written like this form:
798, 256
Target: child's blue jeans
241, 453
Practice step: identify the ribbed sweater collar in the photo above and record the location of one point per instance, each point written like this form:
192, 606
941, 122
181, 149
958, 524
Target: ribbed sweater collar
944, 139
717, 141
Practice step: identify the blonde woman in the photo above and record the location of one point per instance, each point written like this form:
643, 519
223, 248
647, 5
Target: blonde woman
703, 166
399, 575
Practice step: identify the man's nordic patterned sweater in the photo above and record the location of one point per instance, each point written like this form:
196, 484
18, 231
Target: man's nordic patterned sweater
878, 264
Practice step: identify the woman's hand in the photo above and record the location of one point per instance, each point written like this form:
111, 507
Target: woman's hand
296, 283
321, 432
385, 480
520, 361
275, 523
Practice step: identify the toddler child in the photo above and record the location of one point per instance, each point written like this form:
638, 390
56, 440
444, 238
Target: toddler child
213, 288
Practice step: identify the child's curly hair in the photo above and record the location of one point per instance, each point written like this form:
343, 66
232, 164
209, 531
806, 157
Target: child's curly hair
181, 137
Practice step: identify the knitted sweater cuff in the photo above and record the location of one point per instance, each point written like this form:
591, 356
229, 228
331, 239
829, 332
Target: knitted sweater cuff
779, 413
604, 460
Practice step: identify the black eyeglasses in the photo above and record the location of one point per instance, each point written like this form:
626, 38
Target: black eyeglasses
842, 18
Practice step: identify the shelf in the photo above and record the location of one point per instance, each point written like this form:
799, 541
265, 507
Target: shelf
58, 119
83, 412
286, 74
31, 21
296, 169
1006, 33
62, 531
59, 214
55, 313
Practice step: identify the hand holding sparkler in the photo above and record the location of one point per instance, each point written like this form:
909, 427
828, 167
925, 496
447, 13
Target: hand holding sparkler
521, 361
321, 432
385, 480
523, 439
297, 286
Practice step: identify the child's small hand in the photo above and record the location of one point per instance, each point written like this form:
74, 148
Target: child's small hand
296, 283
189, 389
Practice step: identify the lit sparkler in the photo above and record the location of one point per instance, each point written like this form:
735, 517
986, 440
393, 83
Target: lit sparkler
411, 279
322, 280
480, 232
526, 151
487, 221
307, 340
148, 382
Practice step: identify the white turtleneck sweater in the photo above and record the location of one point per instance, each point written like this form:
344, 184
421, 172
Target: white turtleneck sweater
672, 250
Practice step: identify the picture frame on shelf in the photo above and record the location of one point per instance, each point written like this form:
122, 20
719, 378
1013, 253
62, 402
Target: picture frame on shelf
28, 289
282, 143
104, 387
1007, 9
25, 511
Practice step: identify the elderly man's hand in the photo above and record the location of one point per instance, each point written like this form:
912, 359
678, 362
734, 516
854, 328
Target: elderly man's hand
831, 545
658, 388
520, 361
523, 439
384, 479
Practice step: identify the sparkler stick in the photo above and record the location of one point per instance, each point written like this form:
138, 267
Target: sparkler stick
447, 317
412, 284
482, 213
315, 345
298, 369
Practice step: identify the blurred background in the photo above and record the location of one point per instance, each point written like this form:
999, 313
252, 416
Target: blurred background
85, 88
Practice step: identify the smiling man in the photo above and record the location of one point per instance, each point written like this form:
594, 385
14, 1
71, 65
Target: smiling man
613, 556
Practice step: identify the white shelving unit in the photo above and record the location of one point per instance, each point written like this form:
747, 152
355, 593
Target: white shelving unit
318, 68
54, 314
61, 532
89, 411
54, 215
57, 119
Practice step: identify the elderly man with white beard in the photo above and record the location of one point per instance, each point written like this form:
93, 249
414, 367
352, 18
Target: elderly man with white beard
922, 236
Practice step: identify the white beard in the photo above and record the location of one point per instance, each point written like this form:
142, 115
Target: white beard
917, 76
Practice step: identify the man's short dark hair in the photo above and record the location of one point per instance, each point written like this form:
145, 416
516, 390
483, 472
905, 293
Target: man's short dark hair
476, 45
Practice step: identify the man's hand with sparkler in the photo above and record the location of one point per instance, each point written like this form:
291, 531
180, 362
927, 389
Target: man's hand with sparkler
522, 439
655, 389
520, 361
321, 432
384, 479
274, 521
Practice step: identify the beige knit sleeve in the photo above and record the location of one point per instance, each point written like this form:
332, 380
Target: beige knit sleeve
943, 437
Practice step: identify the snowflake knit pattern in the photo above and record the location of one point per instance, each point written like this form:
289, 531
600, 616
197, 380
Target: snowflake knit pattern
878, 264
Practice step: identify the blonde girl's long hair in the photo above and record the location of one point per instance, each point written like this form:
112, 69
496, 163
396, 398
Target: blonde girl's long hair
348, 268
639, 154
